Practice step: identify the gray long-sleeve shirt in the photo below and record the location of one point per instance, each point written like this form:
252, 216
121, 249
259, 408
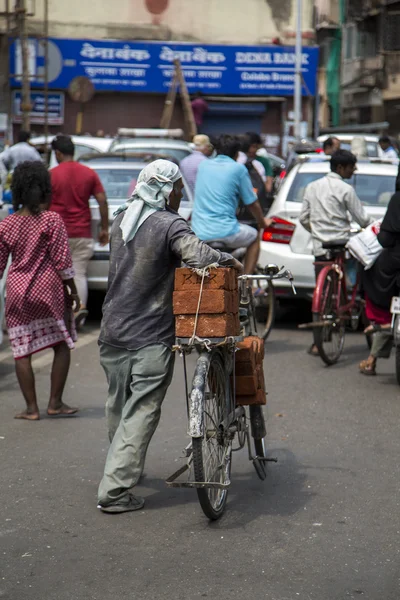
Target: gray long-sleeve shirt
11, 157
327, 204
137, 310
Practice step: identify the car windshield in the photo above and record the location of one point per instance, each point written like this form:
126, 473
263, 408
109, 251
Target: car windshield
372, 148
177, 153
373, 190
119, 183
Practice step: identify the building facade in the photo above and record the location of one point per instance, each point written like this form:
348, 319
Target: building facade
243, 64
370, 77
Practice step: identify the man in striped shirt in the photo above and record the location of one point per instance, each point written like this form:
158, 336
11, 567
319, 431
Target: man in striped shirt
189, 165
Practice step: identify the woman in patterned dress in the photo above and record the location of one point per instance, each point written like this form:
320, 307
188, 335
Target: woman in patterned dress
40, 287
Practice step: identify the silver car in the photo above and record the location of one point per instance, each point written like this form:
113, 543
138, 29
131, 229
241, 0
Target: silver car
287, 242
177, 149
119, 179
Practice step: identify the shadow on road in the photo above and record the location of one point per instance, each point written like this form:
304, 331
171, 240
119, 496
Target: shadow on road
283, 493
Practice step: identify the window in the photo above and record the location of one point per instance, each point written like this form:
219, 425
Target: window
350, 33
391, 28
373, 190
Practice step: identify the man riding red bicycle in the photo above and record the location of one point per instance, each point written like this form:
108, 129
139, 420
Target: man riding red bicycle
329, 207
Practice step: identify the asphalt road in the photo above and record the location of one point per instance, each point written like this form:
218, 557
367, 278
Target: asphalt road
324, 526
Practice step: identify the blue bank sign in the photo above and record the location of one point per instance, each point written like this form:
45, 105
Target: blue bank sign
55, 107
148, 66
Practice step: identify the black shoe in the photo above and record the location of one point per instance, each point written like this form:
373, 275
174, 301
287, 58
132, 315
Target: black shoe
134, 503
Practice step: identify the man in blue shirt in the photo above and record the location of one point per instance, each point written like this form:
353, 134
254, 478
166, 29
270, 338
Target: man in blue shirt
221, 182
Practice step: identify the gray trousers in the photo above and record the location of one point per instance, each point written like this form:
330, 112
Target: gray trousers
137, 383
382, 343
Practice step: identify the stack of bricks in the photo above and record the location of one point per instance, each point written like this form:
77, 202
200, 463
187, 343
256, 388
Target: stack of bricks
249, 379
219, 306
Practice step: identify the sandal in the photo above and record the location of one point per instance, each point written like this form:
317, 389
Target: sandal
367, 368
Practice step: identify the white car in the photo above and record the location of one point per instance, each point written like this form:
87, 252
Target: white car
119, 180
287, 242
177, 149
83, 145
346, 139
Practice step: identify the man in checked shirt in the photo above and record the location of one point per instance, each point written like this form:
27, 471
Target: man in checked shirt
329, 207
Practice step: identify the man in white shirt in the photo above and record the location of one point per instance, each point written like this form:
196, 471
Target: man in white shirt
386, 149
20, 152
329, 206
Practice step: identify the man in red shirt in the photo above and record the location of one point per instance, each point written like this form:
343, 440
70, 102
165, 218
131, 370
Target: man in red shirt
73, 184
199, 107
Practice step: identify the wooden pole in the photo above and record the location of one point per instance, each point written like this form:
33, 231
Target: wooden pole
26, 106
46, 78
169, 104
186, 104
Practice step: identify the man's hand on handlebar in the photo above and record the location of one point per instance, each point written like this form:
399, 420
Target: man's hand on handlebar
237, 266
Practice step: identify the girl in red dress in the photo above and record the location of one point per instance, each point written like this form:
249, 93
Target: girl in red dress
40, 287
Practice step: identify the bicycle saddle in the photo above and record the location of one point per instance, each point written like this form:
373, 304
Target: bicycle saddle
335, 245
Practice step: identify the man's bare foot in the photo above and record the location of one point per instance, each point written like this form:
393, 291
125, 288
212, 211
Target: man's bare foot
28, 415
63, 410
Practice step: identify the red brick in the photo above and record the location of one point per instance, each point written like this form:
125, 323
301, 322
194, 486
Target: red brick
259, 399
220, 278
260, 378
208, 326
250, 350
212, 302
246, 385
244, 368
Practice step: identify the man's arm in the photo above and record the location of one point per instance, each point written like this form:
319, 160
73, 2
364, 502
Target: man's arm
258, 214
103, 207
356, 209
100, 195
249, 199
195, 253
305, 213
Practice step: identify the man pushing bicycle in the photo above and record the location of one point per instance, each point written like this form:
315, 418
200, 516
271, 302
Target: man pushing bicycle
329, 207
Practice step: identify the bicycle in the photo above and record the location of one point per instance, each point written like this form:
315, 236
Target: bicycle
331, 307
214, 420
264, 293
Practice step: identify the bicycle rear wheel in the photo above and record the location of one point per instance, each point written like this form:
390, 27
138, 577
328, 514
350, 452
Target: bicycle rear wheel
212, 454
329, 338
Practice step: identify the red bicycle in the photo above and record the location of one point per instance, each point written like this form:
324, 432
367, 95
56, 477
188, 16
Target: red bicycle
333, 307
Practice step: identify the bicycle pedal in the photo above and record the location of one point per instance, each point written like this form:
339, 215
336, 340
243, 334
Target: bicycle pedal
265, 459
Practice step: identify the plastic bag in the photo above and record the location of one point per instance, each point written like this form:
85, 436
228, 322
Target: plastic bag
365, 246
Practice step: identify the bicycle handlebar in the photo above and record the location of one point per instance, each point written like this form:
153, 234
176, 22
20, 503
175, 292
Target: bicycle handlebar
283, 273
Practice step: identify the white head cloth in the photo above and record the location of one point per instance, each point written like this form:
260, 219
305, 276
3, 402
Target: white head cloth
154, 185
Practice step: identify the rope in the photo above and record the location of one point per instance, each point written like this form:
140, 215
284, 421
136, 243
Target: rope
204, 272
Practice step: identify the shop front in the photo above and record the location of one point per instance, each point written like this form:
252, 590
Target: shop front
245, 86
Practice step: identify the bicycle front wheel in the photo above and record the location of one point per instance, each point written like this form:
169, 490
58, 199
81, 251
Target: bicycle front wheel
212, 454
266, 303
330, 332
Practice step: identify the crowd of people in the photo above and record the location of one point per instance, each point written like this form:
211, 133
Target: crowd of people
49, 238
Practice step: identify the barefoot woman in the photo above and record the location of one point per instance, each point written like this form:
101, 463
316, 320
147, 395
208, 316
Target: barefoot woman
40, 286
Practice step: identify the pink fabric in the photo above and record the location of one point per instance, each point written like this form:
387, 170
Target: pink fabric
37, 315
199, 107
376, 314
